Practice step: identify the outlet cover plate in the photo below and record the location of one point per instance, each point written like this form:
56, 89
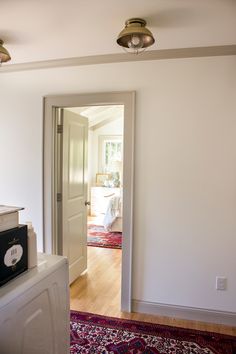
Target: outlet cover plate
221, 283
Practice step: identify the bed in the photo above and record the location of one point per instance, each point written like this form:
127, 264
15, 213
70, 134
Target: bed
113, 215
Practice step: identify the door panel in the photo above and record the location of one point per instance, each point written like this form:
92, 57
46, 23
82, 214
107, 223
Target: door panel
75, 231
76, 136
74, 192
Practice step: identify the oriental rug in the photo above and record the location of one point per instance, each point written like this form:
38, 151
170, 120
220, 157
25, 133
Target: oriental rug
95, 334
98, 237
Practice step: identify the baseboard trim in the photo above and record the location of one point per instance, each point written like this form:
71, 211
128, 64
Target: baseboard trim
184, 312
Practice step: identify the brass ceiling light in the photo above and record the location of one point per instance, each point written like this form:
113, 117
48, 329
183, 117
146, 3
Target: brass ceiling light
4, 55
135, 37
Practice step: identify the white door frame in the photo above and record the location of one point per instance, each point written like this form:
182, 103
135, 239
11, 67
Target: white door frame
49, 195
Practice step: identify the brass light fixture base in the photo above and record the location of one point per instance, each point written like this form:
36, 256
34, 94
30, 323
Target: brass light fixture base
4, 54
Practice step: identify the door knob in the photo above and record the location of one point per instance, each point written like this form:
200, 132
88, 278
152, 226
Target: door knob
87, 203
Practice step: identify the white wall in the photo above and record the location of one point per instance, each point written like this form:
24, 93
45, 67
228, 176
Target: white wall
21, 154
185, 167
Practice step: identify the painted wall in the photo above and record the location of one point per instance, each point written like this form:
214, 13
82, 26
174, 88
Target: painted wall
185, 167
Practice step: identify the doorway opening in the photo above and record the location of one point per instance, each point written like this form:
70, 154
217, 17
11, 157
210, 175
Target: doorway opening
100, 285
109, 174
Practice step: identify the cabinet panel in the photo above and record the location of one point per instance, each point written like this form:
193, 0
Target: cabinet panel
37, 320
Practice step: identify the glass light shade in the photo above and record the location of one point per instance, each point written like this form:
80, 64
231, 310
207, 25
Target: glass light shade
135, 37
4, 55
135, 42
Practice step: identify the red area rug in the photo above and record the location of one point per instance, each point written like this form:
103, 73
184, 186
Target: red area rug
98, 237
94, 334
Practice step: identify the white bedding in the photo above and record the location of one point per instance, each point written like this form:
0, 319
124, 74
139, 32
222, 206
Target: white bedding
113, 211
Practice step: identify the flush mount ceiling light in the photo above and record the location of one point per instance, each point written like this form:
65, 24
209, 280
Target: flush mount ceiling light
135, 37
4, 55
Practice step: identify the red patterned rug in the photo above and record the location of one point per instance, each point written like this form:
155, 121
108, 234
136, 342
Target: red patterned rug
94, 334
98, 237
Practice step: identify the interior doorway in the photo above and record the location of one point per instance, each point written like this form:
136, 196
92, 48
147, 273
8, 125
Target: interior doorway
89, 165
53, 105
104, 177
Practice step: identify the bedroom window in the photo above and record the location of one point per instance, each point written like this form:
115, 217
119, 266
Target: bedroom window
111, 153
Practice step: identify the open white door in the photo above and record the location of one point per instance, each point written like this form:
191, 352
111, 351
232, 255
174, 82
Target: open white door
74, 192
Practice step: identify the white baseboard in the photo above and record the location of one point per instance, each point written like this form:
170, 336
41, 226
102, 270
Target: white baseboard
184, 312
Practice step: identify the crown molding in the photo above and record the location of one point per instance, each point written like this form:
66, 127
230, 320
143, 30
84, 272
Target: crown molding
123, 57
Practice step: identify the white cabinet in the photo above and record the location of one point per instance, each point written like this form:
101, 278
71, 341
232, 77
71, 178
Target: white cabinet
100, 198
34, 310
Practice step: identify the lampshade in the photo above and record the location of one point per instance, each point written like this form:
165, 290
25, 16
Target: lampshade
135, 37
4, 55
116, 166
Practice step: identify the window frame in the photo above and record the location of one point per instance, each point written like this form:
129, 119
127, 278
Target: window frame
101, 153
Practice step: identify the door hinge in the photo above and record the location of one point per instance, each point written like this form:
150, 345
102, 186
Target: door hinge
59, 197
59, 128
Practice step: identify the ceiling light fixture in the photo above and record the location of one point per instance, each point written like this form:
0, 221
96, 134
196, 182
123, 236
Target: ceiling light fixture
4, 55
135, 37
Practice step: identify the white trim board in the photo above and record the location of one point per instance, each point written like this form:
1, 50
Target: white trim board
161, 54
49, 194
184, 312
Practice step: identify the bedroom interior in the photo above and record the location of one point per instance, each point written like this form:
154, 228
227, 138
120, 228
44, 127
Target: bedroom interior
104, 175
168, 285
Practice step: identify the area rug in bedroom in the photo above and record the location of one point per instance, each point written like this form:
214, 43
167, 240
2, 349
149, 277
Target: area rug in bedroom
98, 237
102, 335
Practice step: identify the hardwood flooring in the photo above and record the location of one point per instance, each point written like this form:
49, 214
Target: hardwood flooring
98, 291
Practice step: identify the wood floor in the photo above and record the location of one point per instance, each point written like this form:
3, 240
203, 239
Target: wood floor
98, 291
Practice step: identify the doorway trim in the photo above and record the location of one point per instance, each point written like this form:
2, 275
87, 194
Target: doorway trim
49, 160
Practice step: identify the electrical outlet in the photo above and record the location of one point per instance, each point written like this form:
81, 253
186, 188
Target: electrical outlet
221, 283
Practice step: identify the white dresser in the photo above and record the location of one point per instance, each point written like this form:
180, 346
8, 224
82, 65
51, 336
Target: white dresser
34, 309
100, 198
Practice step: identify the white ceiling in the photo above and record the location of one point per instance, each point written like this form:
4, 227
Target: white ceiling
99, 115
36, 30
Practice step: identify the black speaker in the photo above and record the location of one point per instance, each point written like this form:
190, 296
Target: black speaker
13, 253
